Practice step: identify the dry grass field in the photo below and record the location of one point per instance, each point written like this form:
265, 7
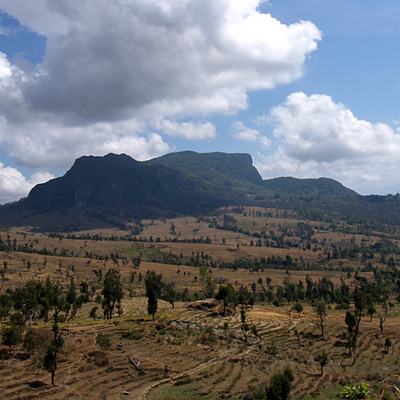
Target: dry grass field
185, 353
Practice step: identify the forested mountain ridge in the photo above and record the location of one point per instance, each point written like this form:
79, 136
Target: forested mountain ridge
189, 183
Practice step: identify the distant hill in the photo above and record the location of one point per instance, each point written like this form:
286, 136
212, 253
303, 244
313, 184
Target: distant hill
117, 189
320, 186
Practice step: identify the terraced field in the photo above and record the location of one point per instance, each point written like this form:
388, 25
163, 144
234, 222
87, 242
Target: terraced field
180, 359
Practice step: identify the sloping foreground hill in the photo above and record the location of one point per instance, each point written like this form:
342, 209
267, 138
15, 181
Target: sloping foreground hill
187, 356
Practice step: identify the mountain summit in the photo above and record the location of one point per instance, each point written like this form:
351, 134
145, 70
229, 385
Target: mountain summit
178, 183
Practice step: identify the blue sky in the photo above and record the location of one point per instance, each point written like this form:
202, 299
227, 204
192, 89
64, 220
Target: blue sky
308, 88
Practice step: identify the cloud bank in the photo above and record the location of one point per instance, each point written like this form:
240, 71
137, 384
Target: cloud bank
13, 185
317, 137
123, 75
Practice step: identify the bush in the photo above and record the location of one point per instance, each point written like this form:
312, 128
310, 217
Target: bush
355, 392
133, 334
29, 341
12, 336
208, 336
103, 341
279, 386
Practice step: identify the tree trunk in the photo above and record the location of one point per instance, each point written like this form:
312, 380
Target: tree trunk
322, 327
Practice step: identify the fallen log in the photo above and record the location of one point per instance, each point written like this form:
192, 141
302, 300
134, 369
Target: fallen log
135, 364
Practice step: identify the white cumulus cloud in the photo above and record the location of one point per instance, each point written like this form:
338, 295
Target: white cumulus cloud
318, 137
242, 132
13, 185
187, 130
112, 67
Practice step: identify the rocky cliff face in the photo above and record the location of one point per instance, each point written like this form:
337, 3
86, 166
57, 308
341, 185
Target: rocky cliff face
179, 182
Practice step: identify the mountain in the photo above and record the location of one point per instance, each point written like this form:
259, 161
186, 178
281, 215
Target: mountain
182, 182
117, 189
320, 186
217, 170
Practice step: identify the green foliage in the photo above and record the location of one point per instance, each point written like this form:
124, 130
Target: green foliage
12, 336
170, 293
152, 302
112, 291
133, 334
227, 294
50, 358
320, 310
355, 392
103, 341
183, 380
322, 360
29, 341
206, 283
388, 343
154, 287
279, 386
208, 336
298, 307
17, 319
93, 312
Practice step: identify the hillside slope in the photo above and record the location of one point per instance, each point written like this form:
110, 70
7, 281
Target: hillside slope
119, 189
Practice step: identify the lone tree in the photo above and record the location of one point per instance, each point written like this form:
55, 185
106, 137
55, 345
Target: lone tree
93, 313
361, 301
382, 318
322, 360
152, 302
351, 323
170, 294
206, 282
12, 336
154, 287
298, 307
29, 341
112, 291
50, 359
320, 310
227, 295
279, 385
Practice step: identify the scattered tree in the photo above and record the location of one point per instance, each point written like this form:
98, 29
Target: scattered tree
29, 341
112, 291
93, 313
298, 307
50, 359
351, 323
322, 360
170, 293
388, 343
154, 287
279, 386
12, 336
320, 310
206, 283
